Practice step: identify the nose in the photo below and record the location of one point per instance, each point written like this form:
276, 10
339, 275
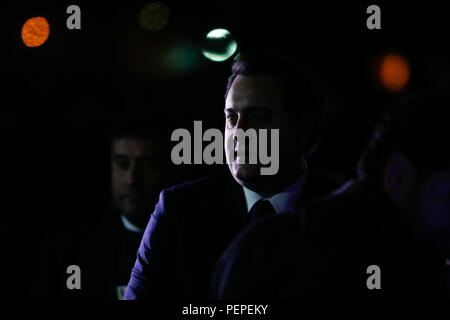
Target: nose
132, 175
243, 124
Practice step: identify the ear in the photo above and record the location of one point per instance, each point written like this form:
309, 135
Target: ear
399, 178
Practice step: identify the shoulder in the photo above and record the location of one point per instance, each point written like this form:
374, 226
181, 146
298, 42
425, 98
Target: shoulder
212, 181
348, 198
355, 211
317, 184
196, 196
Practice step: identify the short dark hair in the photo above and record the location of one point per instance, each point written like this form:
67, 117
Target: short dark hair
418, 125
137, 120
141, 123
303, 97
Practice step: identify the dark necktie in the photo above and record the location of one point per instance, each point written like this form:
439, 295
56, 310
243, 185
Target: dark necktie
262, 208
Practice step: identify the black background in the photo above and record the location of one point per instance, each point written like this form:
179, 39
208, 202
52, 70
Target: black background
56, 98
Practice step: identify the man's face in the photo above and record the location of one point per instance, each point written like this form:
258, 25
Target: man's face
435, 207
137, 171
257, 102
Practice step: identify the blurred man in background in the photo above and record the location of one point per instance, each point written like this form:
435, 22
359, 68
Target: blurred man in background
139, 171
104, 246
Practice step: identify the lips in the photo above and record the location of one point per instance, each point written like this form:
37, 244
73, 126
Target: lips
131, 195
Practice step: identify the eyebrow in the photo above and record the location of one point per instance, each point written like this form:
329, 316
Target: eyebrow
145, 155
249, 109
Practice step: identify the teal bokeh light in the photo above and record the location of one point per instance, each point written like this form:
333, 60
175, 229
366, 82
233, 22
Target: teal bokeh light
219, 45
183, 57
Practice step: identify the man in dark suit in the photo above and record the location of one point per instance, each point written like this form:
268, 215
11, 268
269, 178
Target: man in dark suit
385, 234
104, 244
194, 222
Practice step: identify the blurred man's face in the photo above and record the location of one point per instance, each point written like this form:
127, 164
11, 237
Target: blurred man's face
137, 171
435, 207
257, 102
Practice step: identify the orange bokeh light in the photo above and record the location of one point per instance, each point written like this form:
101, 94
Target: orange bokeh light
35, 31
394, 72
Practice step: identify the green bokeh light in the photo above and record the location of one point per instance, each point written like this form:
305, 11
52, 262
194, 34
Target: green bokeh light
219, 45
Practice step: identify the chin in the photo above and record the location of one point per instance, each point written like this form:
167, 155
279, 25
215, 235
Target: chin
245, 174
131, 210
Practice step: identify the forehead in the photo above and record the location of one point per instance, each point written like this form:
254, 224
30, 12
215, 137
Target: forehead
132, 146
255, 91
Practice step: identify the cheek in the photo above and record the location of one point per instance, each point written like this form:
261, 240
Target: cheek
228, 134
116, 189
229, 144
116, 177
115, 182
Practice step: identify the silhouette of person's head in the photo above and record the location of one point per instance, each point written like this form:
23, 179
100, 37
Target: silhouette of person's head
407, 158
139, 163
267, 91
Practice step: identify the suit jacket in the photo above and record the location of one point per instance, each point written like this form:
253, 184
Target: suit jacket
103, 249
191, 226
325, 250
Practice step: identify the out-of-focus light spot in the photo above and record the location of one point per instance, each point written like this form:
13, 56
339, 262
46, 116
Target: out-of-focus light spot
154, 16
219, 45
394, 72
183, 57
35, 31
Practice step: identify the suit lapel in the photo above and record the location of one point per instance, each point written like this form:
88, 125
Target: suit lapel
236, 207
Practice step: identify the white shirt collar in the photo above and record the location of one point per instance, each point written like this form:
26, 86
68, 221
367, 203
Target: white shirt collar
284, 201
130, 226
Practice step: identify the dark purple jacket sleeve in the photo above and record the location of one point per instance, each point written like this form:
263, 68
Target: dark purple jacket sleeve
154, 275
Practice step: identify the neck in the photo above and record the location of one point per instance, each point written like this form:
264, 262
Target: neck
278, 183
139, 221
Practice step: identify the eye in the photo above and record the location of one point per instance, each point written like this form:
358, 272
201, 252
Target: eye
122, 162
231, 118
